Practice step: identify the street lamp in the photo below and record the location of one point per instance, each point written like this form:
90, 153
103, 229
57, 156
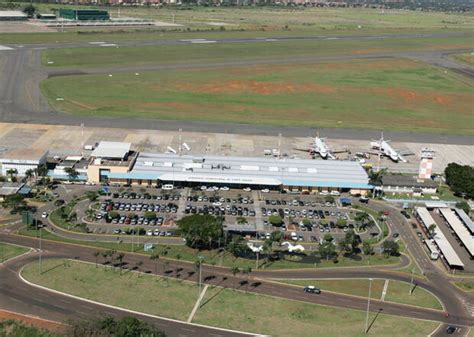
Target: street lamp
40, 247
200, 258
368, 307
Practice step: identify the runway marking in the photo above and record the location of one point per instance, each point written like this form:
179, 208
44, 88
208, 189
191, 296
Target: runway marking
206, 41
108, 45
5, 48
98, 42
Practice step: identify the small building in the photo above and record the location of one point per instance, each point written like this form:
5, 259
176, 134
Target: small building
23, 160
84, 14
46, 16
78, 163
110, 158
13, 16
396, 183
7, 189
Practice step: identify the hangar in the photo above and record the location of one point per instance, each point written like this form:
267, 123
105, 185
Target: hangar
279, 174
12, 16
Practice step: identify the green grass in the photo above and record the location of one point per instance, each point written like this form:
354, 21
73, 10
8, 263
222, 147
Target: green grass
212, 257
8, 251
276, 317
130, 290
465, 58
444, 193
377, 94
396, 292
471, 333
467, 286
220, 307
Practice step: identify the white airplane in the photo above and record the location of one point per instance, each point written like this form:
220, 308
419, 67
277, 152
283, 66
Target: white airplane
320, 147
386, 149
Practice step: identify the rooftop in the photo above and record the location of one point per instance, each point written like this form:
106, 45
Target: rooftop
18, 14
409, 181
248, 170
458, 227
465, 219
24, 154
10, 188
112, 150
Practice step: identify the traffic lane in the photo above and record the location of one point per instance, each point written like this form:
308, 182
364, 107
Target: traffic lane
222, 277
20, 297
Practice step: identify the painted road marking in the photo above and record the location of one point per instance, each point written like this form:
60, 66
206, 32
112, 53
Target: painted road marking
384, 292
97, 42
108, 45
5, 48
205, 41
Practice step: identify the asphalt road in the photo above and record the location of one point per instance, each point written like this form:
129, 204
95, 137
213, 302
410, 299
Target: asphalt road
21, 100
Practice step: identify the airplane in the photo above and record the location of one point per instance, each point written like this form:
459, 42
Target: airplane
320, 147
386, 149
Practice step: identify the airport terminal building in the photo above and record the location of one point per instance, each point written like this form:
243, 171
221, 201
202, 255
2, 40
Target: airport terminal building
277, 174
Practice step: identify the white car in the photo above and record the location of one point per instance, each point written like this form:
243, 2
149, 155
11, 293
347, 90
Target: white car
335, 193
323, 193
149, 232
167, 187
44, 215
217, 203
203, 188
265, 190
224, 188
247, 189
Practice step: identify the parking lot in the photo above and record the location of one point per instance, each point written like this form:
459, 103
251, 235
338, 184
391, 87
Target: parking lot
154, 212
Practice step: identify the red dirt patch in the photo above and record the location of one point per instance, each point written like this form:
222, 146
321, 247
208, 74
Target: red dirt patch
37, 322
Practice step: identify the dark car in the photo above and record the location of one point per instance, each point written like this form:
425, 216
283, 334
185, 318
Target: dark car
451, 329
405, 214
312, 290
395, 235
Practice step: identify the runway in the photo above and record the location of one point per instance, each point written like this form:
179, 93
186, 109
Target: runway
22, 102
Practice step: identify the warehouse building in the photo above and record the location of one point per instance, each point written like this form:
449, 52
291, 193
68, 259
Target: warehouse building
397, 183
84, 14
291, 175
13, 16
22, 160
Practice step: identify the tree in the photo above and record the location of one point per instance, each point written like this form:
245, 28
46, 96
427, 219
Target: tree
131, 215
150, 216
464, 206
327, 248
114, 215
432, 228
275, 220
367, 247
234, 270
241, 220
71, 173
247, 270
343, 245
108, 326
341, 223
375, 177
237, 246
42, 170
201, 231
328, 237
329, 198
11, 173
460, 179
96, 255
92, 195
353, 240
90, 213
155, 257
307, 224
29, 174
29, 10
390, 248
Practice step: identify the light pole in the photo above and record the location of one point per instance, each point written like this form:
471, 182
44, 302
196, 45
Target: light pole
368, 307
256, 263
411, 282
40, 248
200, 258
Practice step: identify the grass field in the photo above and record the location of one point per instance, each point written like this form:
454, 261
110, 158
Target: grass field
396, 291
256, 21
8, 251
466, 58
220, 307
212, 257
467, 286
376, 94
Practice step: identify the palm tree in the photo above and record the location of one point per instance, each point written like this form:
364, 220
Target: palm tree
247, 270
432, 228
11, 172
96, 255
29, 174
178, 257
138, 264
71, 173
234, 270
155, 257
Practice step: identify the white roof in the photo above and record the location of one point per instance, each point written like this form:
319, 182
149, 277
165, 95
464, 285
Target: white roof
18, 14
458, 227
441, 241
465, 218
116, 150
